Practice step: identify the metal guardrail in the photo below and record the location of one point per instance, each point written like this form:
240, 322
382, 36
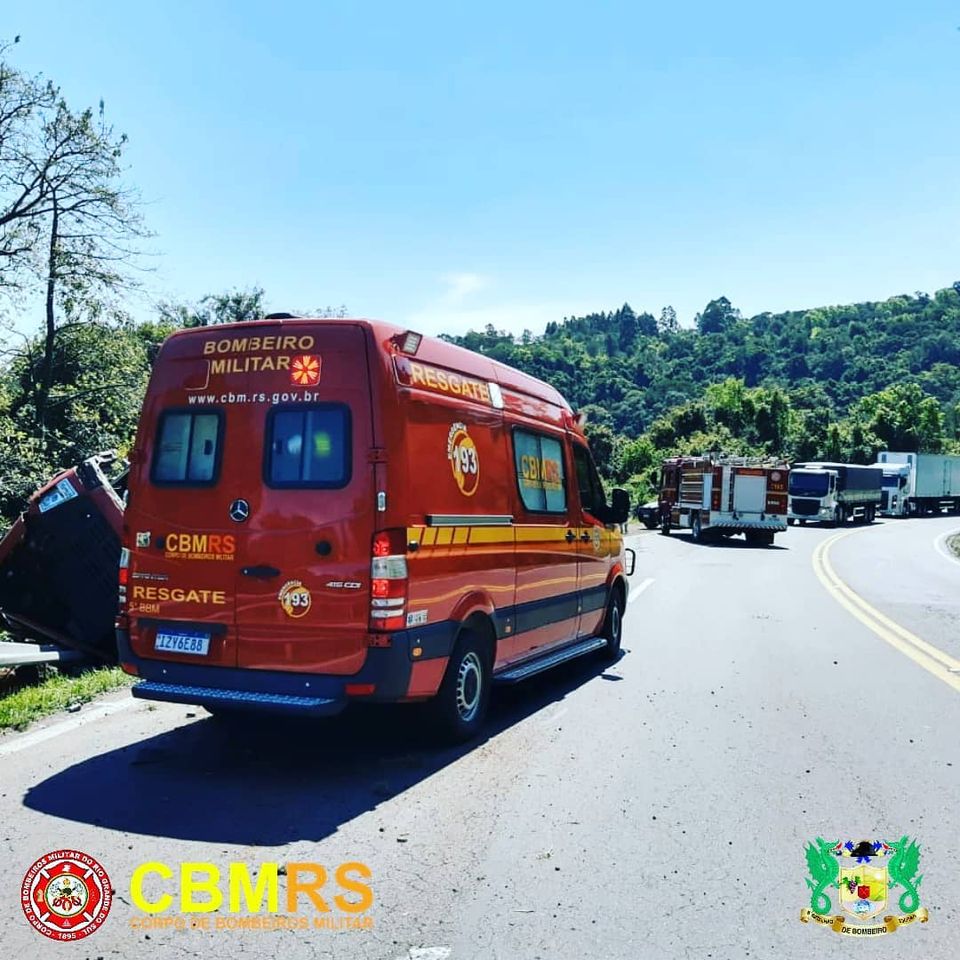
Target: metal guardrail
21, 654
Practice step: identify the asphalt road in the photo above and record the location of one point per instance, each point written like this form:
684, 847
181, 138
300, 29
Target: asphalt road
656, 808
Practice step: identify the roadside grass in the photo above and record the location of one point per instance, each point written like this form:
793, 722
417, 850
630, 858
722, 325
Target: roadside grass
21, 707
953, 544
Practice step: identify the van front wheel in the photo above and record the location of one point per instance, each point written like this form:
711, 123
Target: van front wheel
461, 704
613, 627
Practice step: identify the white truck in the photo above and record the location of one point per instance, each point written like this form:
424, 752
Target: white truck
917, 483
833, 493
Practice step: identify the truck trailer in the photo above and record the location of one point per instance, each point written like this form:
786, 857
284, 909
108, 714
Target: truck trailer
723, 496
918, 483
833, 493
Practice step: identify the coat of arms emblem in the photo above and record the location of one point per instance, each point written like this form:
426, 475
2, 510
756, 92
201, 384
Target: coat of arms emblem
865, 875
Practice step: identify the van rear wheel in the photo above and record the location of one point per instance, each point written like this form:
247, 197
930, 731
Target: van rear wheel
460, 706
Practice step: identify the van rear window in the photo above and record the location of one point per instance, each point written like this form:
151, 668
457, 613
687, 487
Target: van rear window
188, 448
308, 446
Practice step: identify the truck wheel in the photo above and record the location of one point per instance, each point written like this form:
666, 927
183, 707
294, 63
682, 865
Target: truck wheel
803, 523
838, 517
460, 706
790, 521
695, 529
613, 627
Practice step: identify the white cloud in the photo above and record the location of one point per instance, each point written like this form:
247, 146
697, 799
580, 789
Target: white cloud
462, 285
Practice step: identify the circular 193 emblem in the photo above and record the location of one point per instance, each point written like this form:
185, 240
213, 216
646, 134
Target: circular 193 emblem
66, 895
295, 599
464, 459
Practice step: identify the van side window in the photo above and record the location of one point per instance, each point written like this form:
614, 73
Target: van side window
308, 446
540, 472
592, 497
188, 448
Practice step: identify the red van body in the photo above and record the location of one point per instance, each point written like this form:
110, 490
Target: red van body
322, 510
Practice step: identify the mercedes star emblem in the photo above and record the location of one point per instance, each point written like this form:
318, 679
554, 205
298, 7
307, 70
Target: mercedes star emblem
239, 510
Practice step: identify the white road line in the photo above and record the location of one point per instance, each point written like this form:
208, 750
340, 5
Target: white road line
22, 742
639, 588
940, 545
427, 953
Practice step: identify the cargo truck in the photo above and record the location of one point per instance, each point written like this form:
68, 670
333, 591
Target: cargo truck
723, 496
918, 483
833, 493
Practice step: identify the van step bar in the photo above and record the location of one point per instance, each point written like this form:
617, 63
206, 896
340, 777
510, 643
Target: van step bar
548, 660
219, 696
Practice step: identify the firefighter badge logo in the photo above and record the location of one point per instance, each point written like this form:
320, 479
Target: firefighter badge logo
66, 895
305, 370
865, 875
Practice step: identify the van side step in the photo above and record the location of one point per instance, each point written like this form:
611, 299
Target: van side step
220, 696
552, 659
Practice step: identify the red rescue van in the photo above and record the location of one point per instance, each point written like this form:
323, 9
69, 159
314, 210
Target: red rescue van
328, 510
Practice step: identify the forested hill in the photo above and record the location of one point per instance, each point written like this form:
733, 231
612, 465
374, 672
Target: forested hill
637, 366
839, 382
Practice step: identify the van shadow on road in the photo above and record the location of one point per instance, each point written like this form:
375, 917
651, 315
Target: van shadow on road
725, 543
269, 781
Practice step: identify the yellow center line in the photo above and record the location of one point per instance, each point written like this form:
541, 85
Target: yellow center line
931, 658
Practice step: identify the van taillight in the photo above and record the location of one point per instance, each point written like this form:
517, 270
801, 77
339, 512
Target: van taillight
388, 580
123, 577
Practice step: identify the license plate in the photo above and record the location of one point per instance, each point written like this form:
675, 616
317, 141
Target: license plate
183, 642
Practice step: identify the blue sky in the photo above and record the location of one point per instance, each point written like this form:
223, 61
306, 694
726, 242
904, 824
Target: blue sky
446, 165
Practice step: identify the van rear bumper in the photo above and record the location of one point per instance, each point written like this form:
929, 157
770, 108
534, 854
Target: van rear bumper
387, 669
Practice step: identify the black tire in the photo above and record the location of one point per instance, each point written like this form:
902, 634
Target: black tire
460, 706
803, 523
768, 537
696, 531
650, 523
790, 521
613, 627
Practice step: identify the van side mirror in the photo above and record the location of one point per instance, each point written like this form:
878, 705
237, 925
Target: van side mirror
619, 506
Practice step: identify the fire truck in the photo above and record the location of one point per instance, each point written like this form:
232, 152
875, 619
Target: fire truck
722, 496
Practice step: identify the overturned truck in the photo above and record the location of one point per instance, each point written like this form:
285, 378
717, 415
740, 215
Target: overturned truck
59, 560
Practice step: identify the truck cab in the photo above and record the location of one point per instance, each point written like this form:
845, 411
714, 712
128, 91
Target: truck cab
813, 495
894, 488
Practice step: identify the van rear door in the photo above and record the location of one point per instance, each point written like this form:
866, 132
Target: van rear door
182, 542
303, 576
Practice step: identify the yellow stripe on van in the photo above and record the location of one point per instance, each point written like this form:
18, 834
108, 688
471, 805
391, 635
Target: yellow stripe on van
520, 534
491, 535
540, 534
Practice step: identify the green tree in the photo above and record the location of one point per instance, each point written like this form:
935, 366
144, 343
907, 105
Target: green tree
231, 306
902, 417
